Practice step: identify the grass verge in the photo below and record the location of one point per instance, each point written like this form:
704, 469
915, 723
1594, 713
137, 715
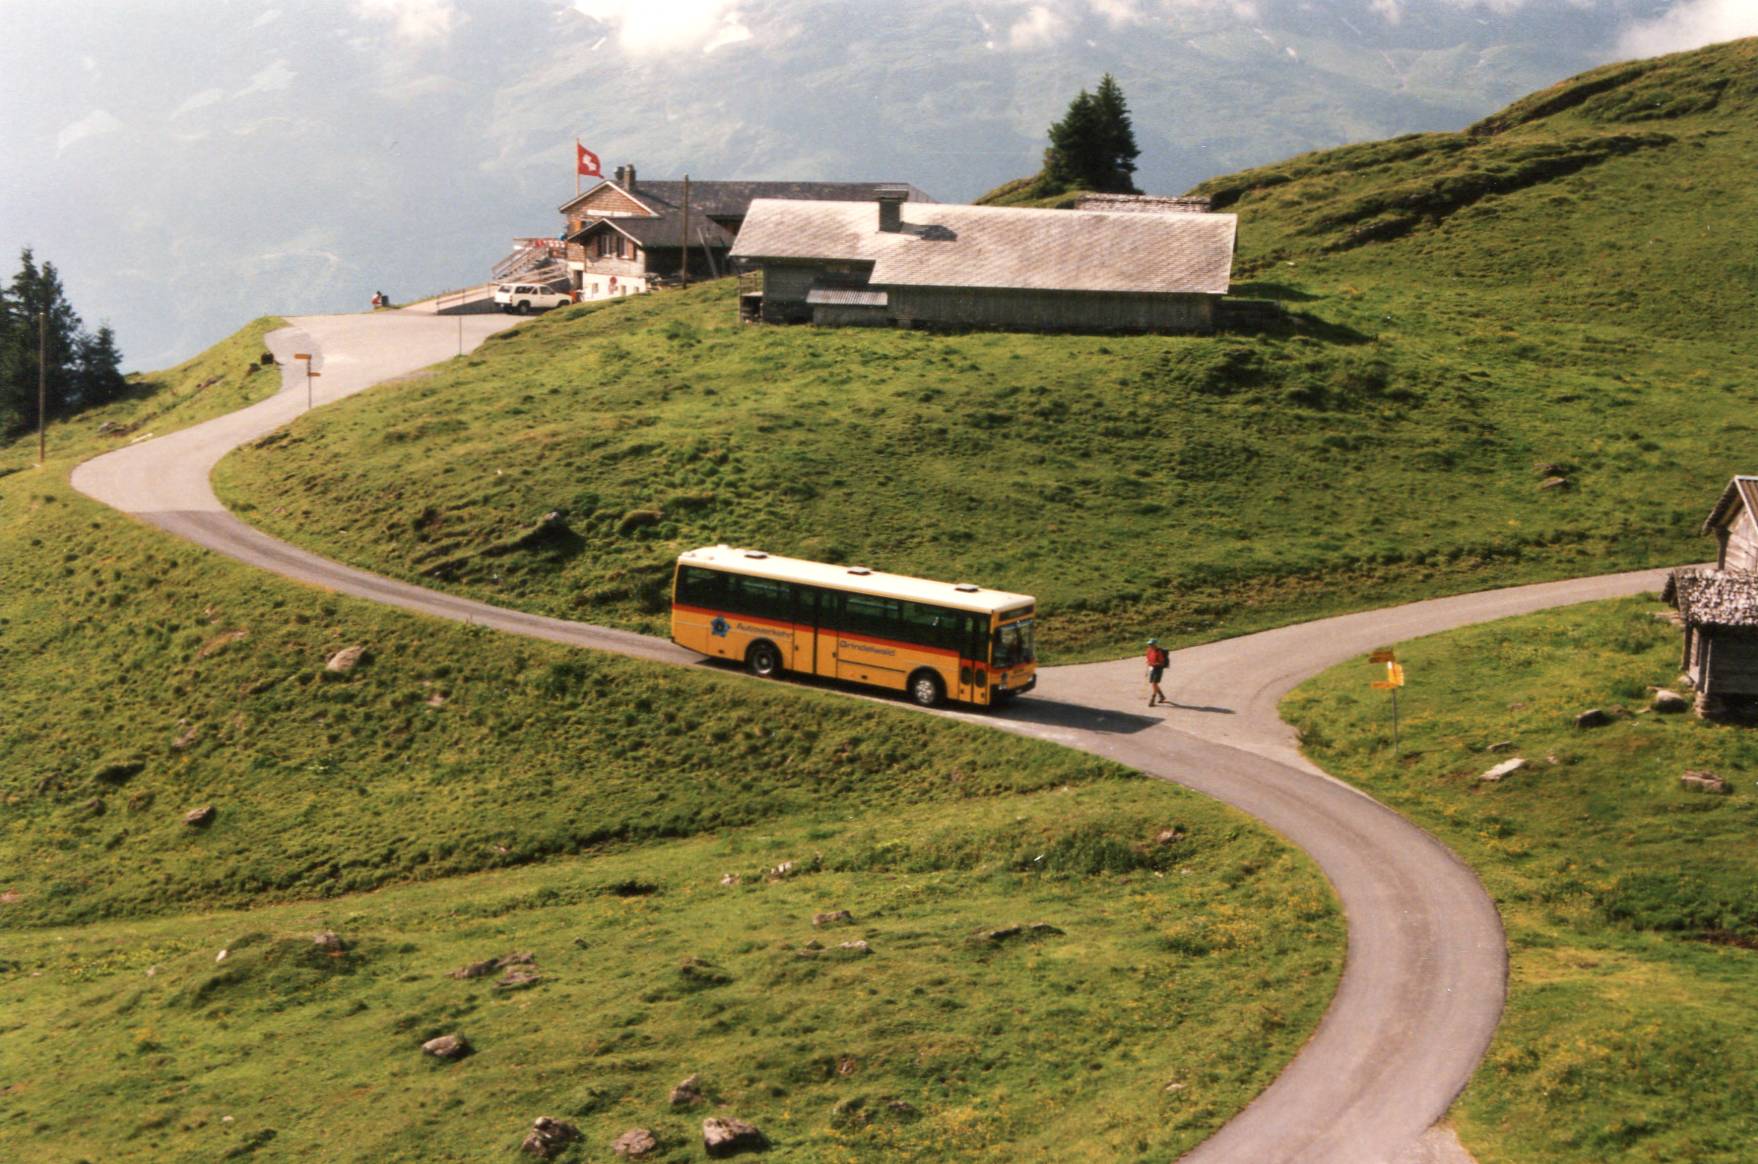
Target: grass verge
1632, 928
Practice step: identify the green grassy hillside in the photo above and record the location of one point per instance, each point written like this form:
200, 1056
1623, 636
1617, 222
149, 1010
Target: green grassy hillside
1627, 898
1563, 291
462, 795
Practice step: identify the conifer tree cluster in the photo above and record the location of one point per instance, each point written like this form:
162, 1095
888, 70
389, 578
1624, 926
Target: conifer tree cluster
1093, 146
84, 369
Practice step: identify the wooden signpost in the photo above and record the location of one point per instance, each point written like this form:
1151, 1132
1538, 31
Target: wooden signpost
306, 356
1394, 679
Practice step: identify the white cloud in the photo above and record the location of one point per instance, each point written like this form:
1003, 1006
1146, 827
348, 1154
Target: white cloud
95, 124
270, 79
417, 23
267, 18
1038, 28
1690, 24
199, 100
651, 27
1391, 11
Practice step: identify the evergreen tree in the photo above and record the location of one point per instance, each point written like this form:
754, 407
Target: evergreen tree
1093, 146
36, 292
98, 374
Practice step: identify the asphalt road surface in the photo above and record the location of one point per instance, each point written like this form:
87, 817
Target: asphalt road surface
1423, 985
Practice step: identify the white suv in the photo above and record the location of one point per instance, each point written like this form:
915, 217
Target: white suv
521, 298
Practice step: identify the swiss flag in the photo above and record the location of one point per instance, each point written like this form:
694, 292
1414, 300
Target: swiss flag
587, 162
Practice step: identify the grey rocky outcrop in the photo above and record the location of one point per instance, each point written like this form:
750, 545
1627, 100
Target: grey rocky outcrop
447, 1047
635, 1143
345, 660
1698, 780
725, 1136
548, 1137
1505, 768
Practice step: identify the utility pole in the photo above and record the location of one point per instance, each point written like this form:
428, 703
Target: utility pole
42, 388
684, 267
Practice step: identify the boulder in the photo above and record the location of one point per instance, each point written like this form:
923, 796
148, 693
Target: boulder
1505, 768
345, 660
548, 1137
1501, 746
725, 1136
635, 1143
731, 879
1554, 483
1168, 837
854, 949
447, 1047
200, 818
1669, 701
517, 980
484, 969
1592, 717
1700, 781
687, 1092
835, 917
782, 871
328, 940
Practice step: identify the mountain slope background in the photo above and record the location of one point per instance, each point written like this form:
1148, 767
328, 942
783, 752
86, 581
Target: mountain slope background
185, 167
1513, 352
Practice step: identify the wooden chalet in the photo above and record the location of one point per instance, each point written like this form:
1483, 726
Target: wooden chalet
890, 261
1719, 606
624, 235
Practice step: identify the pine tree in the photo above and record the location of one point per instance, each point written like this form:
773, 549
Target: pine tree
36, 292
1117, 137
98, 374
1093, 146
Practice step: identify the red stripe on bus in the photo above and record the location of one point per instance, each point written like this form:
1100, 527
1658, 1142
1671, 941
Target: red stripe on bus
796, 628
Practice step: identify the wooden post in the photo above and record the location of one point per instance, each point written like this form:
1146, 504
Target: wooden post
42, 387
684, 268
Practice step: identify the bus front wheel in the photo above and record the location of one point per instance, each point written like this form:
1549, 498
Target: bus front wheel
926, 690
763, 660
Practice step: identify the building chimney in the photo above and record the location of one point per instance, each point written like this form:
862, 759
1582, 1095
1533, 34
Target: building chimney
629, 170
891, 200
623, 177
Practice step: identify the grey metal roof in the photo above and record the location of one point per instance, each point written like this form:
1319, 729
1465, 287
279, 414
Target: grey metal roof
1002, 247
732, 199
1714, 598
1743, 490
846, 297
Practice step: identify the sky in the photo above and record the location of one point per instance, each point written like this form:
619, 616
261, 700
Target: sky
191, 164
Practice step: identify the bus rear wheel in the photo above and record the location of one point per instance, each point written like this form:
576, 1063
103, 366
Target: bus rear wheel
926, 690
763, 660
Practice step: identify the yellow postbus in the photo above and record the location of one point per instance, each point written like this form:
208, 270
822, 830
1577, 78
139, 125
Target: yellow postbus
933, 640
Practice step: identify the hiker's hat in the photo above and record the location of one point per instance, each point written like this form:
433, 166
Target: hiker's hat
1153, 642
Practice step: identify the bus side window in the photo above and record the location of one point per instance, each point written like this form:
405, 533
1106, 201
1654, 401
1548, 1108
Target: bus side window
699, 587
762, 597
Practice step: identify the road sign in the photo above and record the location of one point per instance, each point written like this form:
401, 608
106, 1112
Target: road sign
1382, 657
302, 355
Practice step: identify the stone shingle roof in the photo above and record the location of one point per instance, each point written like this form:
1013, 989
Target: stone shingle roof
1741, 490
665, 230
1714, 598
1002, 247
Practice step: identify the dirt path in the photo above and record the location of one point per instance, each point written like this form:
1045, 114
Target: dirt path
1423, 987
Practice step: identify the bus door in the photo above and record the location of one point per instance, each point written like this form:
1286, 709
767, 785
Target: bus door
973, 669
805, 621
829, 611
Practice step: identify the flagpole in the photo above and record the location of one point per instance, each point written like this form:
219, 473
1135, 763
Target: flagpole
576, 167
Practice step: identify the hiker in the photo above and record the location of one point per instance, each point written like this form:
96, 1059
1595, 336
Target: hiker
378, 301
1157, 660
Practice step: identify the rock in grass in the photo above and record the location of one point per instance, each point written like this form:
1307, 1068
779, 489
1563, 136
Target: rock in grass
1010, 933
485, 968
328, 940
635, 1143
1669, 701
1505, 768
1554, 483
854, 949
1501, 746
1168, 837
725, 1136
835, 917
1592, 717
548, 1137
200, 818
517, 980
1698, 780
687, 1092
447, 1047
345, 660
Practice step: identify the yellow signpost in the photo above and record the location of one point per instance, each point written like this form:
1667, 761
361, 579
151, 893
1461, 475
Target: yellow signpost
306, 356
1394, 679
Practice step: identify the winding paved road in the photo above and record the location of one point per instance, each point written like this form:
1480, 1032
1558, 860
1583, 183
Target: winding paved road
1423, 986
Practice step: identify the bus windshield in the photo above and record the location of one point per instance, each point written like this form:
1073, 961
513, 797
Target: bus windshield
1014, 645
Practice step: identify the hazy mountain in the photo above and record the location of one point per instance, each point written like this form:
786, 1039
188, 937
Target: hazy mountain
191, 164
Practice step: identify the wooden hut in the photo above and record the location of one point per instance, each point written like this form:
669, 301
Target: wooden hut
1719, 606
